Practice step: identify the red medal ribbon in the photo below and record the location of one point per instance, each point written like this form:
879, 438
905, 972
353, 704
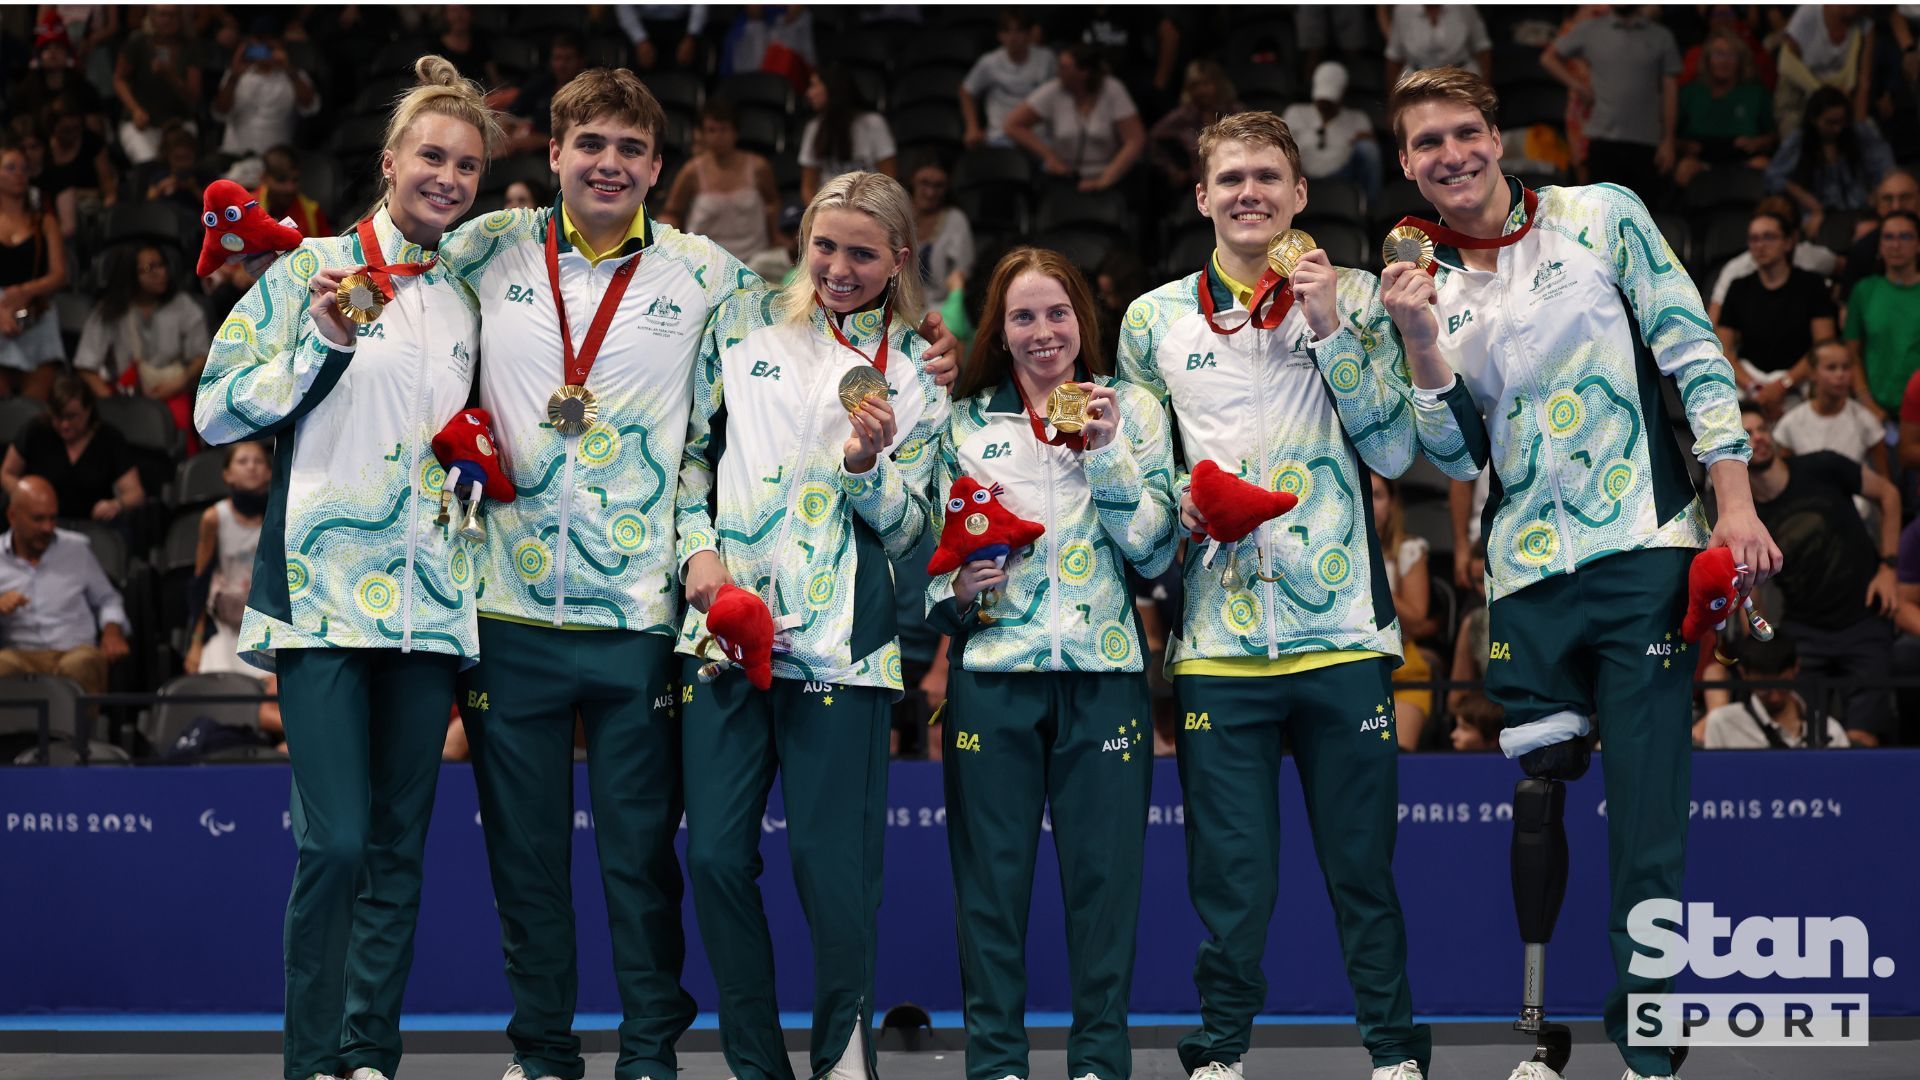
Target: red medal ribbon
577, 366
1271, 286
379, 269
879, 358
1075, 441
1453, 238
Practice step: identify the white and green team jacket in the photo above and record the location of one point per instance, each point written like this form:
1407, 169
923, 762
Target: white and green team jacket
815, 542
1290, 413
1563, 348
1066, 605
589, 539
349, 554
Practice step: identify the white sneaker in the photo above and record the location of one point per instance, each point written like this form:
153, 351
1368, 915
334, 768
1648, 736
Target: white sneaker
853, 1060
1213, 1070
515, 1072
364, 1073
1631, 1075
1533, 1070
1406, 1070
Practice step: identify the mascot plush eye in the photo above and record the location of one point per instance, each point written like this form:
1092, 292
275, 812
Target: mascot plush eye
212, 219
981, 496
1719, 603
233, 213
956, 505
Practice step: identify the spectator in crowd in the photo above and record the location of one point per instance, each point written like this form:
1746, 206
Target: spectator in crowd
24, 134
470, 52
175, 175
1896, 191
1335, 141
33, 266
54, 76
1772, 317
1772, 717
1140, 45
1315, 25
844, 136
1120, 277
1826, 46
78, 180
1206, 96
1883, 316
268, 716
88, 26
1831, 161
1726, 117
1093, 134
946, 237
532, 103
229, 534
1805, 255
145, 337
921, 648
1906, 648
669, 32
1003, 78
1838, 583
772, 39
1831, 420
1436, 35
526, 195
725, 193
89, 464
1910, 425
1476, 717
157, 81
1730, 20
262, 95
281, 197
59, 615
1632, 84
1406, 562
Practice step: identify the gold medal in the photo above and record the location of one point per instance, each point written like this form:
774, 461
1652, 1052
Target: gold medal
1407, 243
572, 410
1067, 408
359, 298
1286, 248
859, 385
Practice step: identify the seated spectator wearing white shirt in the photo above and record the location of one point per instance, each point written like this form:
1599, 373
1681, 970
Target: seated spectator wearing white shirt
59, 615
844, 135
1334, 141
1094, 133
1003, 78
1831, 419
145, 336
229, 536
1773, 717
262, 96
1424, 36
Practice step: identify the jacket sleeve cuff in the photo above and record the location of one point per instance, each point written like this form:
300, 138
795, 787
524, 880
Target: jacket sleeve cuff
950, 618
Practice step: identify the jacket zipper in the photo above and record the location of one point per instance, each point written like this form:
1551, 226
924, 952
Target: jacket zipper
811, 401
1260, 535
1549, 453
1053, 557
422, 378
561, 538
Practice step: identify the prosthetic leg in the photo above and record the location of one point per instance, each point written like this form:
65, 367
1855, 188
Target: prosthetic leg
1540, 885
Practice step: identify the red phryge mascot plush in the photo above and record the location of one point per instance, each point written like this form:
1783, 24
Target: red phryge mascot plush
740, 622
238, 228
1234, 508
978, 527
465, 448
1713, 595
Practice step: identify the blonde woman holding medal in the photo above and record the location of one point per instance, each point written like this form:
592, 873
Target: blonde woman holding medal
812, 500
1047, 706
350, 353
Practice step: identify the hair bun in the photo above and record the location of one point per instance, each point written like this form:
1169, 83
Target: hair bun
432, 70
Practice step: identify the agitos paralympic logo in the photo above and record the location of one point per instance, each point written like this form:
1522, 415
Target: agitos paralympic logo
1670, 938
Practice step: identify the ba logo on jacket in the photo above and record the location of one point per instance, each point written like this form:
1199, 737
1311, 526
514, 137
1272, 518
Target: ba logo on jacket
994, 450
1455, 322
764, 370
519, 294
1196, 361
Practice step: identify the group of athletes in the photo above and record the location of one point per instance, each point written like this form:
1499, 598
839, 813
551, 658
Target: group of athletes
671, 426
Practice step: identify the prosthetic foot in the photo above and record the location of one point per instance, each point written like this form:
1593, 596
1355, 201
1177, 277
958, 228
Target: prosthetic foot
1539, 886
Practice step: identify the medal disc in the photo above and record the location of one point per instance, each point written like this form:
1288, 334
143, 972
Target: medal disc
1067, 408
860, 384
1407, 243
572, 410
1286, 248
359, 299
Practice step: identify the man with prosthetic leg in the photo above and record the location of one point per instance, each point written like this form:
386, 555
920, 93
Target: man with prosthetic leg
1563, 311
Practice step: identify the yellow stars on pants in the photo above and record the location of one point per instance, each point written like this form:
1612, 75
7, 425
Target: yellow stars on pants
827, 700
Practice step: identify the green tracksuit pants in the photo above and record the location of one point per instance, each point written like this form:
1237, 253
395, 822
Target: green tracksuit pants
519, 704
1079, 746
1605, 642
829, 745
1338, 722
365, 728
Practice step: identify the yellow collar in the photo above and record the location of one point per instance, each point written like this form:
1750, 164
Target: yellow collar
1242, 293
636, 237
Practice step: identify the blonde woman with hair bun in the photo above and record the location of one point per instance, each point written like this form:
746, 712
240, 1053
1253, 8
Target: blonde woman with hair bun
813, 502
362, 601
